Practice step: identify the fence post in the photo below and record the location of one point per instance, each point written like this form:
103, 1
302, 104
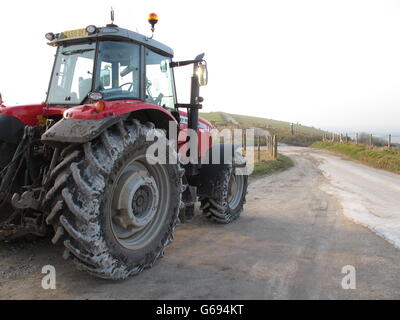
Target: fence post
244, 140
259, 148
270, 145
275, 146
356, 138
370, 140
390, 141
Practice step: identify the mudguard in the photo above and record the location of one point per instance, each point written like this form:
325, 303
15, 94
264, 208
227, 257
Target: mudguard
82, 124
78, 130
209, 172
11, 129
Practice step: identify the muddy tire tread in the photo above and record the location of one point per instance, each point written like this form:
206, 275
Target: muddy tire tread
74, 203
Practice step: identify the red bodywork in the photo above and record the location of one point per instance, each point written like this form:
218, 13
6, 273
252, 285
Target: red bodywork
34, 115
31, 115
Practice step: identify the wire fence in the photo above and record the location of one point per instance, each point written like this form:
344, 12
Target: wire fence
368, 139
264, 146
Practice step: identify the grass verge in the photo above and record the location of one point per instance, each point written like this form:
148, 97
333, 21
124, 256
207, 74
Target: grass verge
272, 166
382, 158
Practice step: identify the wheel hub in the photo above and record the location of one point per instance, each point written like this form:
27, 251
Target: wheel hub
139, 203
235, 190
135, 201
141, 200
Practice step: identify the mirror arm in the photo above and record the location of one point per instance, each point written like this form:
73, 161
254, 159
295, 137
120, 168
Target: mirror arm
174, 64
188, 106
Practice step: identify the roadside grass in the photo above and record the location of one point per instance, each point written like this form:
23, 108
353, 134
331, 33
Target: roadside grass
272, 166
378, 157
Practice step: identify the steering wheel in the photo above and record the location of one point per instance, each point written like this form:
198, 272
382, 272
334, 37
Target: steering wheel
128, 83
158, 100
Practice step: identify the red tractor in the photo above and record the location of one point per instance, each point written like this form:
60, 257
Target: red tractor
77, 167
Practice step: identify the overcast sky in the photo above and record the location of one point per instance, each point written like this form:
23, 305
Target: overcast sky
329, 64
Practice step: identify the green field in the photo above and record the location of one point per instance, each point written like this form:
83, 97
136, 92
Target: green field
303, 135
249, 121
213, 117
272, 166
382, 158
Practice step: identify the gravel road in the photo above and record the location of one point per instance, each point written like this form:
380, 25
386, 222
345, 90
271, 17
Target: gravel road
292, 242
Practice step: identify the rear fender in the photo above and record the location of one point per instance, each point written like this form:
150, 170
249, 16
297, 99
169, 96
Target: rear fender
161, 119
147, 111
77, 130
81, 124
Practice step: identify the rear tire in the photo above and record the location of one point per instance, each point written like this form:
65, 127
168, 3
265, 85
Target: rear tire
229, 196
114, 212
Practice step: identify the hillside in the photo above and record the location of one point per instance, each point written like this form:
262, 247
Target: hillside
302, 135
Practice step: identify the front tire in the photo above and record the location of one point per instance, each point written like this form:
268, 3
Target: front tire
229, 196
113, 210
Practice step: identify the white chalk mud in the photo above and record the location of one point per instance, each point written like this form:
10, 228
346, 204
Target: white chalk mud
369, 196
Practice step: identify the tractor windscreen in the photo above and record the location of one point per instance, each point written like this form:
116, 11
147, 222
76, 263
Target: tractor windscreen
72, 75
116, 72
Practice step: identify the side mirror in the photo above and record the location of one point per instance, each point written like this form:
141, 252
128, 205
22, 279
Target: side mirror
202, 74
105, 77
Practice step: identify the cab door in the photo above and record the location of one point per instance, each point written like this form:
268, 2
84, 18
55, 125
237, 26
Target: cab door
159, 81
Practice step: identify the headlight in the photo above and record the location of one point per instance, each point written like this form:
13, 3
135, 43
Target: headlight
91, 29
50, 36
95, 96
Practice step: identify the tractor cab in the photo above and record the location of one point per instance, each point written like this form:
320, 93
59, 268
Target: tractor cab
108, 64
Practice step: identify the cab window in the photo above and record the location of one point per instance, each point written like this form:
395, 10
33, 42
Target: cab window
159, 88
119, 70
72, 75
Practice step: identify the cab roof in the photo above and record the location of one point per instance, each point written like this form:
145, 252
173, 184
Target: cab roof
111, 32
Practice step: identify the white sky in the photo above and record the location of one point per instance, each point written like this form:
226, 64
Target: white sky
330, 64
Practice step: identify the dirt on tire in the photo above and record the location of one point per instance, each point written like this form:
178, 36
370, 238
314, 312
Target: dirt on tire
79, 202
